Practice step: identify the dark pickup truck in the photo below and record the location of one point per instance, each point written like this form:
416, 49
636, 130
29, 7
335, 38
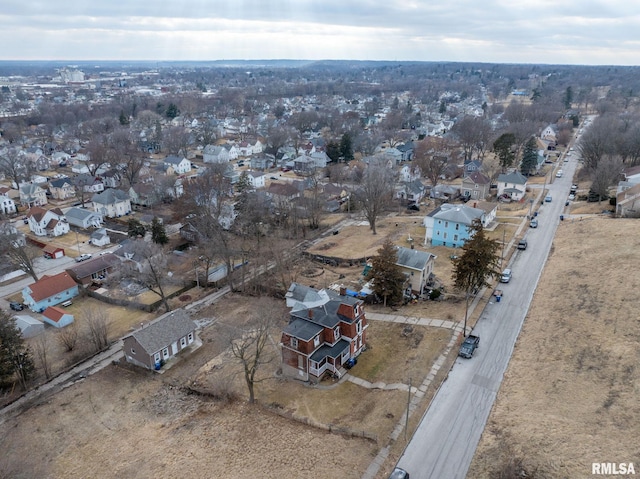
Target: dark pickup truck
468, 346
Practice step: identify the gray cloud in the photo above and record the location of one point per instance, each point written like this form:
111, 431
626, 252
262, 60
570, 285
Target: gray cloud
530, 31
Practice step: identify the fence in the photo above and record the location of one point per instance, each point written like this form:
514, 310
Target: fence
135, 304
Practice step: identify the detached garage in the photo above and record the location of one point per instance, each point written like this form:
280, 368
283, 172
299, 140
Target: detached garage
57, 317
53, 252
29, 326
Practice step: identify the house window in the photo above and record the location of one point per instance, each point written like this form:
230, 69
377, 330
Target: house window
300, 363
336, 333
439, 222
190, 338
446, 224
457, 226
294, 343
455, 237
183, 342
156, 358
165, 353
444, 235
359, 327
316, 341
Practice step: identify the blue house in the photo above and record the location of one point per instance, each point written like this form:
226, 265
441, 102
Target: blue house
450, 225
49, 291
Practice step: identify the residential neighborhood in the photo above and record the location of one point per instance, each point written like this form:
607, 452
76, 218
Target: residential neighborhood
215, 236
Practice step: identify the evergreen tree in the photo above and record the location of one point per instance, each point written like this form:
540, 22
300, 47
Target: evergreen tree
135, 228
333, 150
568, 98
388, 279
172, 111
158, 232
15, 358
478, 263
529, 157
346, 147
503, 148
123, 119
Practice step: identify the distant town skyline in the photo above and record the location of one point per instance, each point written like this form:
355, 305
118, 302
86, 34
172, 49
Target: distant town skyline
574, 32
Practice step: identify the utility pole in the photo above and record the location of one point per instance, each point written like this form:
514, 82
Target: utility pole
504, 233
406, 421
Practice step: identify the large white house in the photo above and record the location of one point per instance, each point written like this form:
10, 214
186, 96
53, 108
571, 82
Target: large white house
47, 222
111, 203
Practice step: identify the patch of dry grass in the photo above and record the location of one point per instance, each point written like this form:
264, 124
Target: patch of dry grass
570, 393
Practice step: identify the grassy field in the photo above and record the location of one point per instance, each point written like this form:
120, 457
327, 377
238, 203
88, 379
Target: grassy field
569, 397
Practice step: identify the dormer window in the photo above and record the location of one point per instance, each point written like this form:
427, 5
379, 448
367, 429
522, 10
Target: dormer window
336, 333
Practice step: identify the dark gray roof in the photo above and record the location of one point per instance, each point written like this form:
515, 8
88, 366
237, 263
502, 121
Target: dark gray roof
164, 331
334, 351
92, 266
412, 258
302, 329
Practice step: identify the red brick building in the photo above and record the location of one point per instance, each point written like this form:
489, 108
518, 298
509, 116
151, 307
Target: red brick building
322, 338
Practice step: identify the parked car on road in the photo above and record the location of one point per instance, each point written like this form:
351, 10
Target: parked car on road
83, 257
506, 276
399, 473
468, 346
534, 223
547, 199
522, 244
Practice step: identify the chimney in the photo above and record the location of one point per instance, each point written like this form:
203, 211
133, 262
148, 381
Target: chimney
310, 312
412, 245
343, 291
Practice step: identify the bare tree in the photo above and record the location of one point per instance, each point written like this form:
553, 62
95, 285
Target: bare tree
150, 270
101, 153
250, 344
474, 135
68, 336
596, 142
41, 348
209, 197
16, 251
15, 166
608, 171
432, 156
97, 320
176, 140
375, 192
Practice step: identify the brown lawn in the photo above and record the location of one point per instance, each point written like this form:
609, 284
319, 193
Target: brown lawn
569, 397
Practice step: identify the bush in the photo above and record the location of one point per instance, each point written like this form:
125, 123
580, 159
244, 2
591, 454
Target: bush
434, 294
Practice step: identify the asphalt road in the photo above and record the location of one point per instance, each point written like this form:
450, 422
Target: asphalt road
448, 435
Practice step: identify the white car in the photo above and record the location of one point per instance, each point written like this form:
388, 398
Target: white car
559, 174
572, 197
83, 257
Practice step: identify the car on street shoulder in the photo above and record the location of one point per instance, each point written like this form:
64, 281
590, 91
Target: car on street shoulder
83, 257
468, 346
522, 244
506, 276
534, 223
547, 199
399, 473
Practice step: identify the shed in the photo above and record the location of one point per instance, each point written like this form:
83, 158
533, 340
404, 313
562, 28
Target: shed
57, 317
53, 252
28, 325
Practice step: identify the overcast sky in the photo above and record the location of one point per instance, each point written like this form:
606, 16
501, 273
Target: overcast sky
590, 32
